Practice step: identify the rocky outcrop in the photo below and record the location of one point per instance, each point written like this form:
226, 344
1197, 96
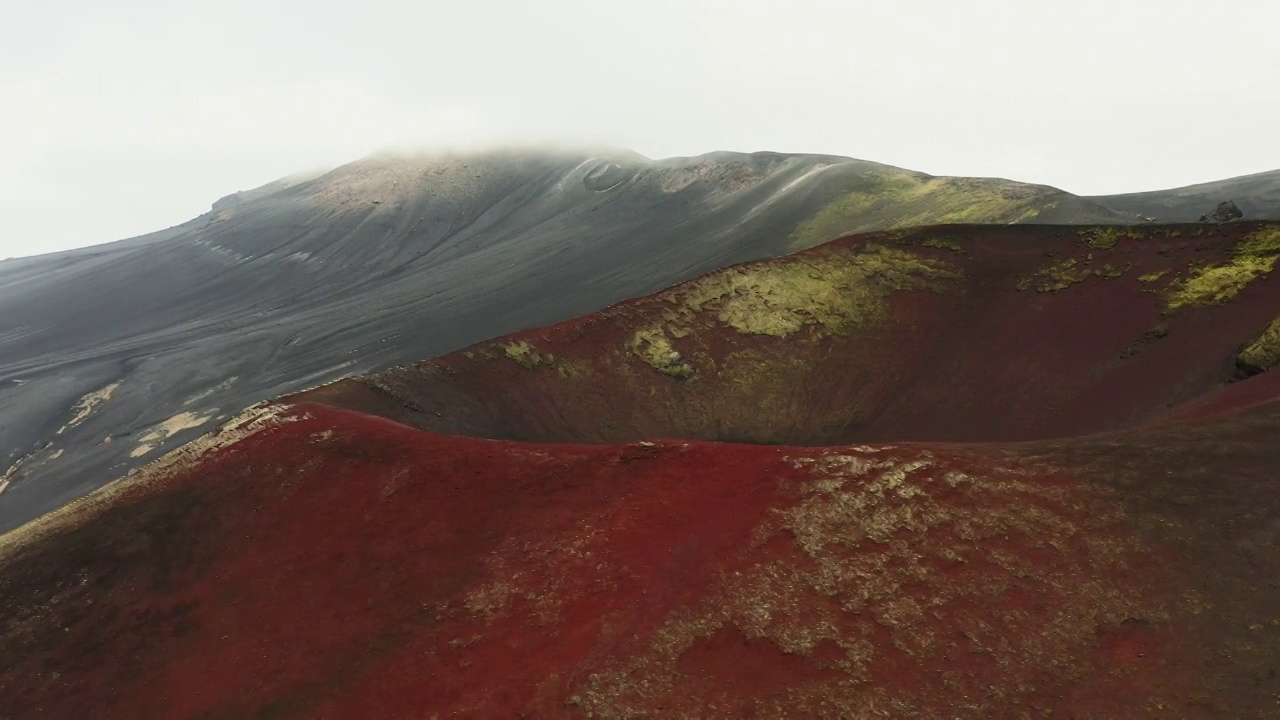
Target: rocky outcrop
1225, 212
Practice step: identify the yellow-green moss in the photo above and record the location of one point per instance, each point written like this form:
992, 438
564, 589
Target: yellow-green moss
845, 214
1264, 353
1218, 283
572, 368
943, 244
653, 347
1108, 272
1058, 276
526, 356
1105, 237
1255, 256
831, 292
1154, 276
890, 199
1261, 243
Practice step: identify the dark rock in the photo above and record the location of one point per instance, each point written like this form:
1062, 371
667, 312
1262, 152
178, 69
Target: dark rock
1225, 212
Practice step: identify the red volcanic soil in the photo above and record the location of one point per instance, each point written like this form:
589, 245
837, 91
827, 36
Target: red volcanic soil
961, 333
442, 540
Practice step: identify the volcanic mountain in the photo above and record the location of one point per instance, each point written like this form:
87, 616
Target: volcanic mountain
112, 354
961, 471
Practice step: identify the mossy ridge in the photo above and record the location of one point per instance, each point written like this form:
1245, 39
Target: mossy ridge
1262, 354
818, 294
939, 201
845, 214
1255, 256
885, 199
832, 292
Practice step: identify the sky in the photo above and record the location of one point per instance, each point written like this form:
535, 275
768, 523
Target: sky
121, 118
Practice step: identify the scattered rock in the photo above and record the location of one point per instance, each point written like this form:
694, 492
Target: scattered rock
1159, 332
1225, 212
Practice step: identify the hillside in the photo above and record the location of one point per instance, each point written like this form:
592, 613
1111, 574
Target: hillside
951, 333
113, 354
1257, 196
969, 471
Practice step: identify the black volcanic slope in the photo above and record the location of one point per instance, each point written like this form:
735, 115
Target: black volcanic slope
111, 355
1257, 196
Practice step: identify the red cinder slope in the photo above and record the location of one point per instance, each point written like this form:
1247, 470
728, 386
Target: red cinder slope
964, 333
310, 560
341, 565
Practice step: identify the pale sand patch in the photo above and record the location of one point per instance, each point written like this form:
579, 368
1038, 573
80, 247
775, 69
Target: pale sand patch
85, 406
27, 459
247, 423
168, 428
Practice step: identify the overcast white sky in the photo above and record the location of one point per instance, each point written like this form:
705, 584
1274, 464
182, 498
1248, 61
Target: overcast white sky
121, 118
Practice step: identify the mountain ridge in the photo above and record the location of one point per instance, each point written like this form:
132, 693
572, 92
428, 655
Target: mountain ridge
394, 258
962, 492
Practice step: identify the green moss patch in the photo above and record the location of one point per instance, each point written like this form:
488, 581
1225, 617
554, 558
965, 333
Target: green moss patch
847, 214
822, 294
886, 199
1058, 276
572, 368
1254, 257
1106, 237
943, 244
831, 293
1264, 353
526, 356
655, 349
1108, 272
1261, 243
1218, 283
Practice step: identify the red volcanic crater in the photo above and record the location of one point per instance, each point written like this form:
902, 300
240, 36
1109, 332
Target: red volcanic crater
964, 333
951, 472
